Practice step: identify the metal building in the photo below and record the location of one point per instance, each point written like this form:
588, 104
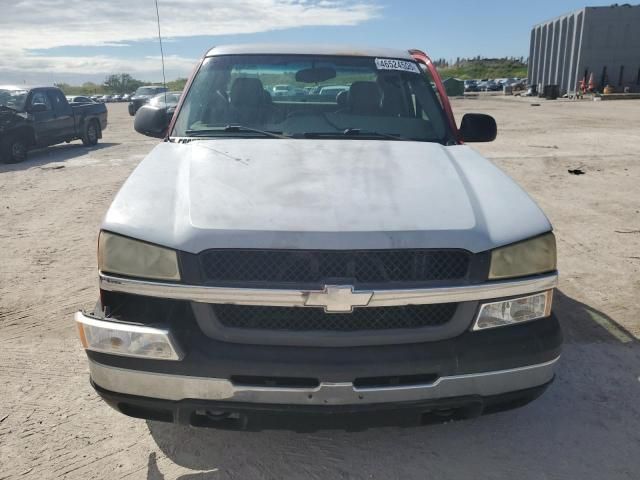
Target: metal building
603, 41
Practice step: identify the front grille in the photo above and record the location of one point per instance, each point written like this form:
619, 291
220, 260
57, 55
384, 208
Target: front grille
316, 266
304, 319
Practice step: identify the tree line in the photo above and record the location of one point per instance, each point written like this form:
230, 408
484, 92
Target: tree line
464, 61
117, 83
481, 68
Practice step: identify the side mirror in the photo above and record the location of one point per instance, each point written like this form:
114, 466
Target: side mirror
38, 107
478, 127
151, 121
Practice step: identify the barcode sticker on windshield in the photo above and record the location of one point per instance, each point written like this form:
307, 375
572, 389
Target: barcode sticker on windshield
392, 64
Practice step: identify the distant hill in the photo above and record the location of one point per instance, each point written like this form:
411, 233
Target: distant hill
479, 68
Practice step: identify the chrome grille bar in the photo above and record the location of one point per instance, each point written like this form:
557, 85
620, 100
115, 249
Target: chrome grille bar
300, 298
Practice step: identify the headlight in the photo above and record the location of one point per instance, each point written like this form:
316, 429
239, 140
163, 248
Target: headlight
530, 257
126, 339
134, 258
514, 310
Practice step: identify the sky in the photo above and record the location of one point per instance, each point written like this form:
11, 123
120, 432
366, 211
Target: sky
74, 41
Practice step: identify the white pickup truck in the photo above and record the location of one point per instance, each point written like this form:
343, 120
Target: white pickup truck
317, 253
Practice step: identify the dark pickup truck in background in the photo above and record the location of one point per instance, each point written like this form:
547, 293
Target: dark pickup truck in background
33, 117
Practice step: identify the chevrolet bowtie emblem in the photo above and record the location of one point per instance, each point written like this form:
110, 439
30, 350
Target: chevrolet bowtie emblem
338, 299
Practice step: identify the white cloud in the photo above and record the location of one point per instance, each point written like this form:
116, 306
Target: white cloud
42, 24
98, 63
28, 68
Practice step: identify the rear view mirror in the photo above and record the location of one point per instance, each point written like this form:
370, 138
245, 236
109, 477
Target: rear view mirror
151, 121
315, 75
478, 127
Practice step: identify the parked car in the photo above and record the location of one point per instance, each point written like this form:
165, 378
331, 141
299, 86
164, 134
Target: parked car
520, 84
41, 116
142, 96
280, 90
105, 99
491, 86
166, 102
96, 98
311, 255
471, 86
333, 90
79, 99
116, 98
126, 97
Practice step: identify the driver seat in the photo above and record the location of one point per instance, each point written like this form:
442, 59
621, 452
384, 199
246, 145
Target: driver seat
364, 98
248, 102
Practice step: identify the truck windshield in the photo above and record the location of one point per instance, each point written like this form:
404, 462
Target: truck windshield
309, 96
13, 98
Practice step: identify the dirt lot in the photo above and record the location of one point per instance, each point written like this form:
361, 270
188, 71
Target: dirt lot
587, 426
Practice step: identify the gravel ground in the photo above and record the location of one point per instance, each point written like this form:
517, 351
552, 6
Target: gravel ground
587, 426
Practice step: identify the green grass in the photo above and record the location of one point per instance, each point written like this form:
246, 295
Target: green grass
485, 68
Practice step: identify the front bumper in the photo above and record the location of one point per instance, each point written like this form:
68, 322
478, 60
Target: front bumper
222, 414
470, 371
179, 387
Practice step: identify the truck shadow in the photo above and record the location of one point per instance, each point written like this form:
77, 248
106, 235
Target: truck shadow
549, 437
54, 154
582, 323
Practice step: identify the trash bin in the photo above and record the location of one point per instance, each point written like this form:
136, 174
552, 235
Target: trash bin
551, 92
507, 90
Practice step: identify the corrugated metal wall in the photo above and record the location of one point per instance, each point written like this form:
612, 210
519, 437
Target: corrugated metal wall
603, 41
554, 53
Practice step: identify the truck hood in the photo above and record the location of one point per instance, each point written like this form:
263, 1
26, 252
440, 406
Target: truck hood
321, 194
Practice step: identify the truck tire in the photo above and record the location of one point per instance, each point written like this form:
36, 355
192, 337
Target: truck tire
14, 149
91, 134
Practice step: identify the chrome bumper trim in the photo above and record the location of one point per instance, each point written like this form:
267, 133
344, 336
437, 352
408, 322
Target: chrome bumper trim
177, 387
300, 298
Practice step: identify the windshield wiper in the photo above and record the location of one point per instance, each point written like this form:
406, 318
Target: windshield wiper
370, 133
5, 107
232, 129
354, 132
